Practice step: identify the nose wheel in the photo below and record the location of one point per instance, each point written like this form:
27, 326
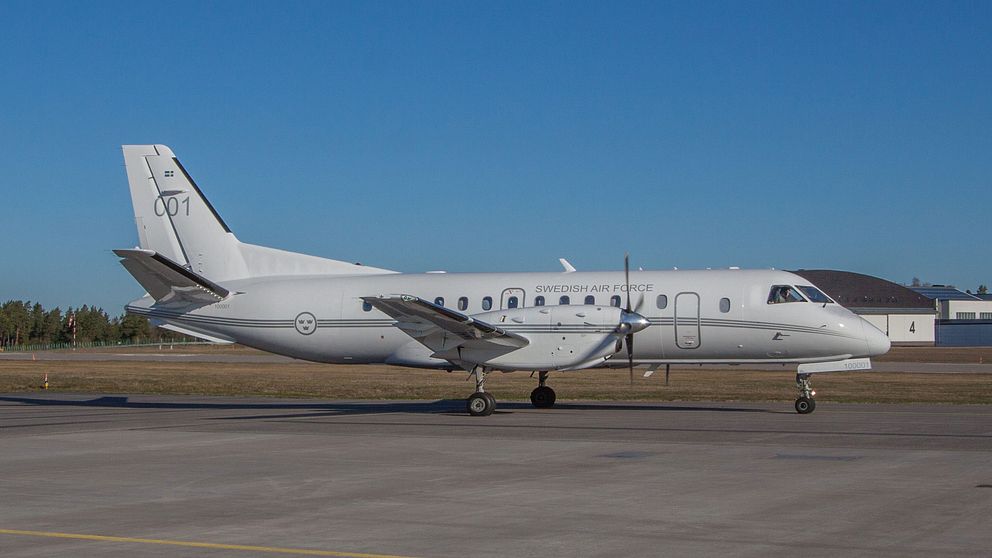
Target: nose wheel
805, 404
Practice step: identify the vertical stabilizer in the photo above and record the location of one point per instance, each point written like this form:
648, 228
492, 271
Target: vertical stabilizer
155, 232
175, 219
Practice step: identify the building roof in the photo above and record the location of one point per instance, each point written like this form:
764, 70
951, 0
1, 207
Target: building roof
867, 294
984, 296
940, 292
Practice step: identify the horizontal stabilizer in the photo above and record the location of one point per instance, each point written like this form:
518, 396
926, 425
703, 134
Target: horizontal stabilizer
168, 281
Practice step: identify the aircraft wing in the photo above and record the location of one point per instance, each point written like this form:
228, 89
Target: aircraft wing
168, 281
443, 330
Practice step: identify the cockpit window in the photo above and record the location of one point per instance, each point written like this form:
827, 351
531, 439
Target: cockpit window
815, 295
784, 293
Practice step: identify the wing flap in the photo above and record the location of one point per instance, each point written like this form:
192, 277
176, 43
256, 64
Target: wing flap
443, 330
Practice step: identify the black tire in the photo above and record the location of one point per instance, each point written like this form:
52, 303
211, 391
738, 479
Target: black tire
480, 404
805, 405
543, 397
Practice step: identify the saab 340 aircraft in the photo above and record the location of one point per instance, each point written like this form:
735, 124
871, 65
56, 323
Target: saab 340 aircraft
202, 281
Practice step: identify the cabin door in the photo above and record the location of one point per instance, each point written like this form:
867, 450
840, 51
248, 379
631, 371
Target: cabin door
687, 321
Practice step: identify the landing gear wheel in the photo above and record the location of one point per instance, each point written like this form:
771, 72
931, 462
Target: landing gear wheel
805, 405
542, 397
481, 404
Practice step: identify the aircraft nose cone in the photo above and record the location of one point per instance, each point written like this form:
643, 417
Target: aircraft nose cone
878, 342
632, 322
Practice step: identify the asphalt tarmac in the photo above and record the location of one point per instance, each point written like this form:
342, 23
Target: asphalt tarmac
91, 475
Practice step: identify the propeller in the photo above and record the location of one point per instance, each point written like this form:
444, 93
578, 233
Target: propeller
630, 321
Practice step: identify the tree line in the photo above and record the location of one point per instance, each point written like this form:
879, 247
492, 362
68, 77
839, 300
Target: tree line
27, 323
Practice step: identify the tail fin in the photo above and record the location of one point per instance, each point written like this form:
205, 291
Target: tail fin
175, 220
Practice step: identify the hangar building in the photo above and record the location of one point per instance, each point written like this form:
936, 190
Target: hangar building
965, 319
956, 305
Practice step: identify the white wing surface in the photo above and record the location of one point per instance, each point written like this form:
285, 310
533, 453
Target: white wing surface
445, 331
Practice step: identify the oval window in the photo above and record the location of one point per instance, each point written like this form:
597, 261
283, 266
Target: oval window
439, 301
367, 306
463, 303
590, 299
564, 300
512, 302
725, 305
539, 301
487, 303
615, 301
662, 302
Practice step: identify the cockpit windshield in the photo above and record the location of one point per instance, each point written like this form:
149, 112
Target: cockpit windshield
815, 295
784, 293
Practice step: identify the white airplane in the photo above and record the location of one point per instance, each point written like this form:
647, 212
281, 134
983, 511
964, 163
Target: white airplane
202, 281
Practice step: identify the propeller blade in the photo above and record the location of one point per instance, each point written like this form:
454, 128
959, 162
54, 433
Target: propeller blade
626, 275
630, 356
630, 336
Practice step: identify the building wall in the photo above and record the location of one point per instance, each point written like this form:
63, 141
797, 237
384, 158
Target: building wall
912, 328
905, 328
964, 333
950, 309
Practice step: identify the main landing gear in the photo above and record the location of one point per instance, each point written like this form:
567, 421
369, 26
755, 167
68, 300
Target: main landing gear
480, 403
542, 397
805, 404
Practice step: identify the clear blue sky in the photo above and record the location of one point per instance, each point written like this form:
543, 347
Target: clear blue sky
483, 136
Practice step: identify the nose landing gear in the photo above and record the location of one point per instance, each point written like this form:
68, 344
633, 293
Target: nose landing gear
805, 404
542, 397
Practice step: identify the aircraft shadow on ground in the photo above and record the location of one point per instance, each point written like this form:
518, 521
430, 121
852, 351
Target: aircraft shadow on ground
317, 408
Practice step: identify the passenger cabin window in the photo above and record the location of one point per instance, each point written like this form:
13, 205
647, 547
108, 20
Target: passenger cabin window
815, 295
784, 293
662, 302
564, 300
439, 301
487, 303
615, 301
725, 305
590, 299
512, 302
539, 301
367, 306
463, 303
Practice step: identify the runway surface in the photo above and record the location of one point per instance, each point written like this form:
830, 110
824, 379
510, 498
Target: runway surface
264, 477
264, 358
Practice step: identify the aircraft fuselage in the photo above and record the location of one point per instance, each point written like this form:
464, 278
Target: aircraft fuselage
705, 316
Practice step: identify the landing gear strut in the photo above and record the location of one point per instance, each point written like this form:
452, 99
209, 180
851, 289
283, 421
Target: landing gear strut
805, 404
480, 403
542, 397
